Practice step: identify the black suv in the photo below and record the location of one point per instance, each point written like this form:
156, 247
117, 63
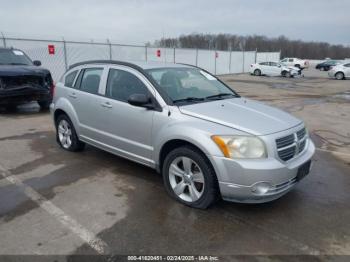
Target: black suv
22, 80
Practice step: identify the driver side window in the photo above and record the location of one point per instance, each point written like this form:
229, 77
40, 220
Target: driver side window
122, 84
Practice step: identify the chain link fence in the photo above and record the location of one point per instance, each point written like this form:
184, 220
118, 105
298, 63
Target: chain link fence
58, 55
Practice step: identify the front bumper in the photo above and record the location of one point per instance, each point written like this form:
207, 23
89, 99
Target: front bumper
261, 180
23, 95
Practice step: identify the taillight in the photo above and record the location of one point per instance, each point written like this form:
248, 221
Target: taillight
251, 65
52, 89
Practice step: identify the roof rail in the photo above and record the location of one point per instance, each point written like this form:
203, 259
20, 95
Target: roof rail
114, 62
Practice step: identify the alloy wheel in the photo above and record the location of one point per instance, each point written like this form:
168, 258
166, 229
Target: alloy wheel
65, 133
186, 179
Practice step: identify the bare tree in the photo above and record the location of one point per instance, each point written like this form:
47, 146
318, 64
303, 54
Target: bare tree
288, 48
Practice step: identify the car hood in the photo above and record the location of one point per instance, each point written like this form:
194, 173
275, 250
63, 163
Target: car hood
243, 114
16, 70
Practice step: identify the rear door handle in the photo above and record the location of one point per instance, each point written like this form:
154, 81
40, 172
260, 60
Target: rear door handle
72, 95
106, 104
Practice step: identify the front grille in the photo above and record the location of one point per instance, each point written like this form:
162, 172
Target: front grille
301, 133
291, 145
285, 141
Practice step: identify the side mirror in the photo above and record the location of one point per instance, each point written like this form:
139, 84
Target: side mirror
140, 100
37, 63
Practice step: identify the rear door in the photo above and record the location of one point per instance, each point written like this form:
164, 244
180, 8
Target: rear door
264, 67
86, 99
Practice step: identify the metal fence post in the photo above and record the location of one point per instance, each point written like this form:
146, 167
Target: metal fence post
256, 54
197, 57
110, 49
215, 62
146, 53
229, 62
174, 55
3, 39
243, 61
65, 54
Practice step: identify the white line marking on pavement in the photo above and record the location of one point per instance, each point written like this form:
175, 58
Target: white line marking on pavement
94, 242
334, 152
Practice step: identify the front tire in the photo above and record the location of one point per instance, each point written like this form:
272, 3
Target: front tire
339, 76
66, 135
189, 178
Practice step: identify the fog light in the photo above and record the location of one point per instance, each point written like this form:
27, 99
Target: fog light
261, 188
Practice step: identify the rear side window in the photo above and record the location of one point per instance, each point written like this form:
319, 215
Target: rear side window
290, 59
264, 63
347, 65
122, 84
90, 80
69, 79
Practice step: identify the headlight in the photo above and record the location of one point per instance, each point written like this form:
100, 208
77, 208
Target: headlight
241, 146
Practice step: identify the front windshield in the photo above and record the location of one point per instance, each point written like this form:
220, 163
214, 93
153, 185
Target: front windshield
13, 57
190, 85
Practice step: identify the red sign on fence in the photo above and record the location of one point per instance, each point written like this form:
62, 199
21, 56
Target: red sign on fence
51, 49
158, 53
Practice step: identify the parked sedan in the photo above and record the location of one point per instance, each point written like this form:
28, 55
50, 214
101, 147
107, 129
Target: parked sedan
205, 139
340, 72
273, 69
327, 65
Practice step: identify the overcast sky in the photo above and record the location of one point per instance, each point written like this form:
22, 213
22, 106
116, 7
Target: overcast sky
139, 21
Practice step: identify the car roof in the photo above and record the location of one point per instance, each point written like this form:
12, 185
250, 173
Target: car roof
144, 65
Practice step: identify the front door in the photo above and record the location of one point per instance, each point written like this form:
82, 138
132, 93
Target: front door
127, 128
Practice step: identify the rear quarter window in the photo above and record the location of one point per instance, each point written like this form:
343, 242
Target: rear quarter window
69, 79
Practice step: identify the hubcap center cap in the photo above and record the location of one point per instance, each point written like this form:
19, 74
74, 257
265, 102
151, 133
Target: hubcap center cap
187, 178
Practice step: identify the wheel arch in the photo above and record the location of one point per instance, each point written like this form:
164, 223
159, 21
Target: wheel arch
63, 106
341, 72
172, 144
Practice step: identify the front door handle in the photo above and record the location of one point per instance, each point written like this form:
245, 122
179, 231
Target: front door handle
72, 95
106, 104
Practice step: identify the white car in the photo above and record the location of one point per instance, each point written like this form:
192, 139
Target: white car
340, 72
273, 69
296, 62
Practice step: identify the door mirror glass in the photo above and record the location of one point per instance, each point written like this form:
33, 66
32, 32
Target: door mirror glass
37, 63
140, 100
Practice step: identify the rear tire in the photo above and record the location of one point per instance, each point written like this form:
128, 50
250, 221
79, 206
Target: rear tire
66, 135
339, 76
189, 178
257, 72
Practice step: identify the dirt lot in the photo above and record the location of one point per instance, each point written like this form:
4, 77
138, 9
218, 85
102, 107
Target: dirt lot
56, 202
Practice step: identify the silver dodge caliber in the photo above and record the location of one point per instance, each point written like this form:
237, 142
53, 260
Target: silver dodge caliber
206, 140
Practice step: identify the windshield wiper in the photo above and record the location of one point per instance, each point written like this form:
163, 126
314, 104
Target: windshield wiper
189, 99
220, 96
17, 64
